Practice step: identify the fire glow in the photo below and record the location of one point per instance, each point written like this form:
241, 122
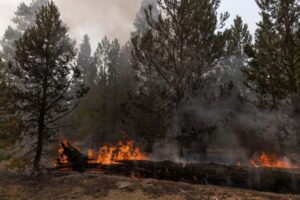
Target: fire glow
127, 151
271, 161
107, 154
111, 154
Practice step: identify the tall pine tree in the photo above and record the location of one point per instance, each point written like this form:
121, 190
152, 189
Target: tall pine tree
84, 61
23, 19
239, 37
230, 69
104, 101
273, 70
140, 23
180, 46
44, 56
174, 54
9, 121
113, 74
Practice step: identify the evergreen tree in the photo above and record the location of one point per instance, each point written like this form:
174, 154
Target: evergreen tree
181, 46
100, 94
44, 56
3, 88
229, 72
177, 51
9, 121
101, 61
113, 73
88, 71
239, 37
140, 23
273, 70
114, 62
126, 73
105, 101
24, 18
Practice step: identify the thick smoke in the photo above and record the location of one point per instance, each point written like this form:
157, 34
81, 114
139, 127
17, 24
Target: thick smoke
223, 124
98, 18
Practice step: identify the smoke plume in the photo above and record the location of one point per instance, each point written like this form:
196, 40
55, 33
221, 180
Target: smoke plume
98, 18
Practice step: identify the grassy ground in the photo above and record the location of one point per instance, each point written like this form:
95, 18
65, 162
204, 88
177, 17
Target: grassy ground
97, 187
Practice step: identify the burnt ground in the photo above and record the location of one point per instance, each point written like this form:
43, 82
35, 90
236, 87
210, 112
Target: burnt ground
89, 186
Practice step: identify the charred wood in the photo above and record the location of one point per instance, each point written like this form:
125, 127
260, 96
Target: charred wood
260, 179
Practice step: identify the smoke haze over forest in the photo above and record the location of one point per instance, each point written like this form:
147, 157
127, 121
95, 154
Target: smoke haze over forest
204, 89
114, 17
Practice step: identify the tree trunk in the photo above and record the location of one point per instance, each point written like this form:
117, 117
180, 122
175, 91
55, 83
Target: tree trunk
39, 149
115, 101
41, 128
104, 124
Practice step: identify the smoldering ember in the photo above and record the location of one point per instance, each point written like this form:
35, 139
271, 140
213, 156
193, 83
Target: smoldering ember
157, 99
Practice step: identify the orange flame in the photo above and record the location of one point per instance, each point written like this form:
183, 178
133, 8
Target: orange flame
122, 151
63, 159
271, 161
107, 154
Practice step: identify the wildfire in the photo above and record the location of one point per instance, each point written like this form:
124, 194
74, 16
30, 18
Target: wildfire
111, 154
271, 161
107, 154
63, 159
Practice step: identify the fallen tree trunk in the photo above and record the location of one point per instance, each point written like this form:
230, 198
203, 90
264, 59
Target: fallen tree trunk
261, 179
76, 160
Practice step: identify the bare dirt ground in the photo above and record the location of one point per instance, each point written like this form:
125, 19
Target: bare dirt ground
89, 186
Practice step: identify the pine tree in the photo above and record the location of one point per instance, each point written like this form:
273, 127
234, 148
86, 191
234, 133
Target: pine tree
113, 73
101, 61
114, 62
181, 46
23, 19
239, 38
44, 56
9, 121
3, 89
140, 22
84, 61
126, 73
99, 94
104, 101
172, 60
230, 69
273, 70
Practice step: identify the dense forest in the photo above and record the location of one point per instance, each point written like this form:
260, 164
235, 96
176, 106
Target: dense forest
185, 82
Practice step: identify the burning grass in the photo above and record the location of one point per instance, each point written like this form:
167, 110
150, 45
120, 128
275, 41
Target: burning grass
272, 161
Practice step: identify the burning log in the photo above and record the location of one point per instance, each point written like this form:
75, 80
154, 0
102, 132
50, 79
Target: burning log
71, 157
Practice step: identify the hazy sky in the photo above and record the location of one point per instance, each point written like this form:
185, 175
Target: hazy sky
114, 17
